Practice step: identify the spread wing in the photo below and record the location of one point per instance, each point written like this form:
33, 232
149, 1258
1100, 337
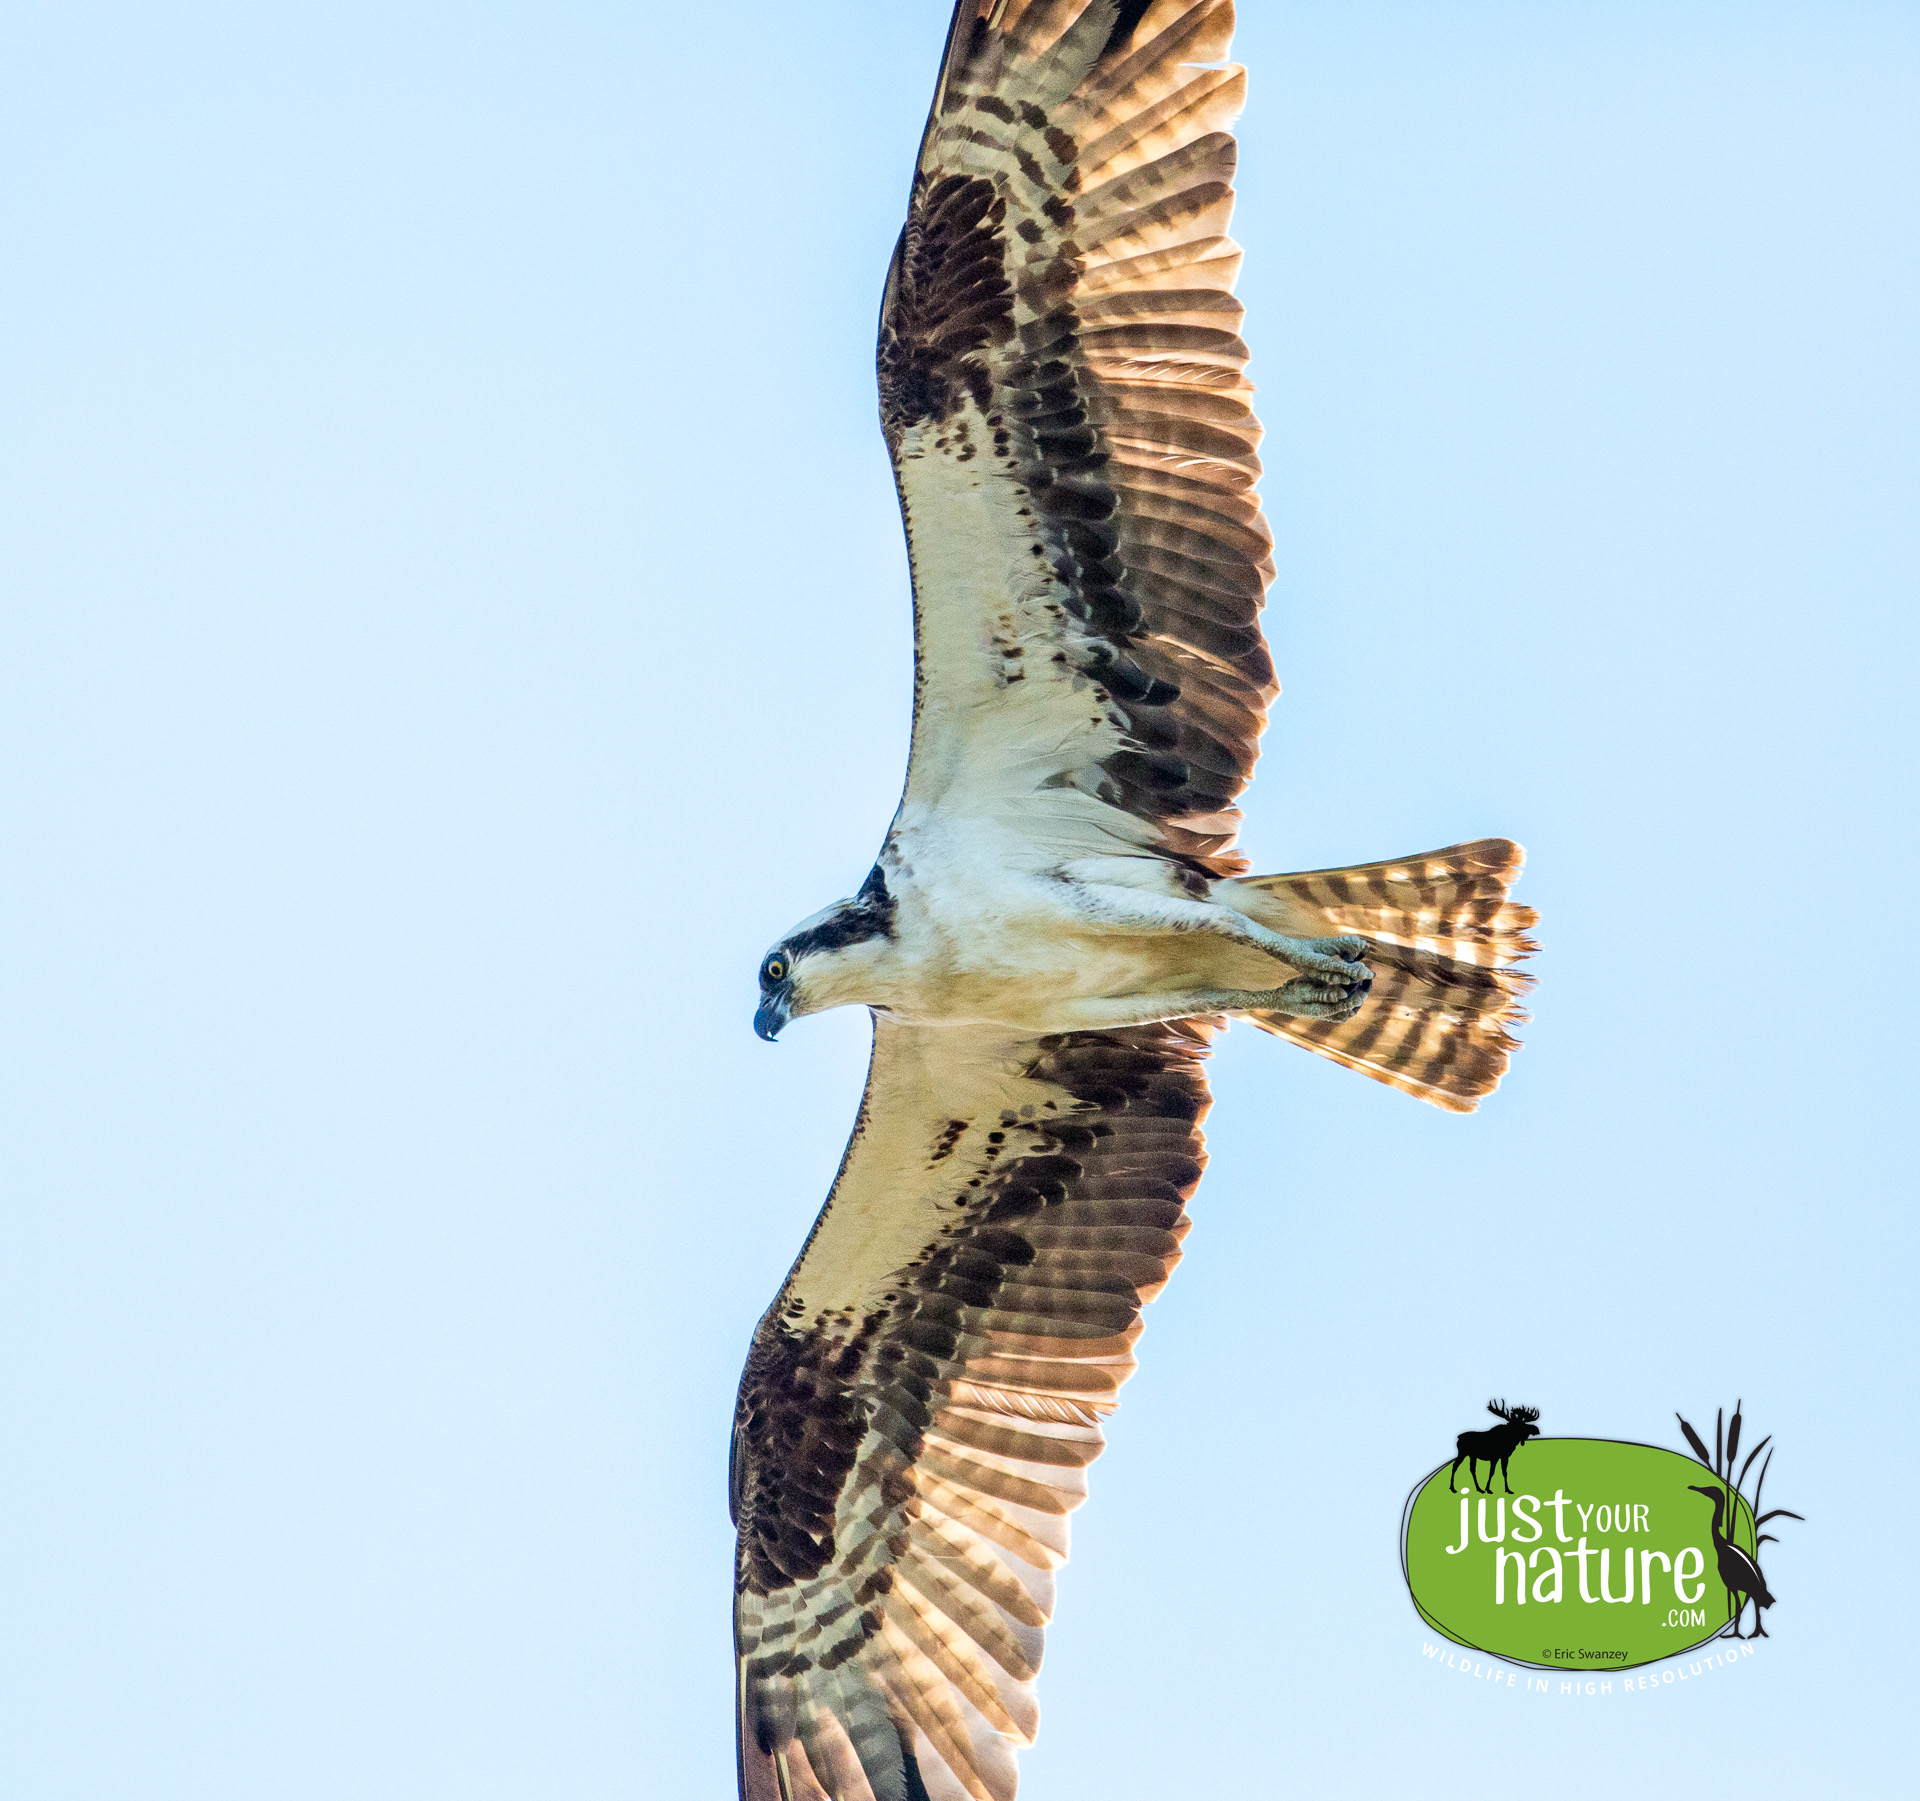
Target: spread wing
1063, 392
922, 1399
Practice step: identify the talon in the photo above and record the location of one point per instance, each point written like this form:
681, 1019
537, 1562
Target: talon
1306, 997
1337, 959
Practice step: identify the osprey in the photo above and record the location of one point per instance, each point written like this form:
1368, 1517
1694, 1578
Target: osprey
1057, 921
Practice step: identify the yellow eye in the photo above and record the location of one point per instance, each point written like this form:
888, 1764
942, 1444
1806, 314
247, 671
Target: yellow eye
774, 969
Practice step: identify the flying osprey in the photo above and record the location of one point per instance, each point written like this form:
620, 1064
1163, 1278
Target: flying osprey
1056, 922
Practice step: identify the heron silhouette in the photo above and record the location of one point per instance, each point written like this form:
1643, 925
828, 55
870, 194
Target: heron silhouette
1738, 1572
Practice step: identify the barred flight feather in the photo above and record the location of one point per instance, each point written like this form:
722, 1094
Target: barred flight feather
1443, 939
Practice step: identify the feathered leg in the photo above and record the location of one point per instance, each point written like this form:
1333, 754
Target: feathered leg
1140, 910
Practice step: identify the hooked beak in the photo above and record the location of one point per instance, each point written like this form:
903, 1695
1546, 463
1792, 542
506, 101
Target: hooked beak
771, 1016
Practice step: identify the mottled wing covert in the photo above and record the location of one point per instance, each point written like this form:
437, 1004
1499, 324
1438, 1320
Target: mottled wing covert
1063, 392
922, 1399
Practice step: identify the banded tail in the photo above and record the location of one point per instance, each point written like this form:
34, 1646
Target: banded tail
1442, 942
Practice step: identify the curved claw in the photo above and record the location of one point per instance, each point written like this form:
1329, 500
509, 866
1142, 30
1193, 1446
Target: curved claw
1337, 958
1308, 997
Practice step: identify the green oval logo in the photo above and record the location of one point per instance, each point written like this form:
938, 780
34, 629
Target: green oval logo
1606, 1555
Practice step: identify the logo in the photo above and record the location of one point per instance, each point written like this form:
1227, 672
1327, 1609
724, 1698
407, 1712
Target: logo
1607, 1554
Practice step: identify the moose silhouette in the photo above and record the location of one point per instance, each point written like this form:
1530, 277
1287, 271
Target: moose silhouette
1495, 1445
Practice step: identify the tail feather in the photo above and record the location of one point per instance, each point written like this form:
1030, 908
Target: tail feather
1443, 939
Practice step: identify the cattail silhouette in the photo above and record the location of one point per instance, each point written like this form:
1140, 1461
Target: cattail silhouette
1739, 1568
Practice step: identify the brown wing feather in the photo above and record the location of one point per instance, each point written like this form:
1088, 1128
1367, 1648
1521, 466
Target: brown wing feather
913, 1429
1059, 332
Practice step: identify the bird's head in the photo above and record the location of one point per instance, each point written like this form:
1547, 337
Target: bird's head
826, 961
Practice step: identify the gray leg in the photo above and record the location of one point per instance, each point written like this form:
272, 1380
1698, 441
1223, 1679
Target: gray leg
1138, 910
1305, 996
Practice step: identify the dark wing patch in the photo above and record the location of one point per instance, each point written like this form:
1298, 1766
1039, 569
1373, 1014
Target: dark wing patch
797, 1427
1129, 15
947, 300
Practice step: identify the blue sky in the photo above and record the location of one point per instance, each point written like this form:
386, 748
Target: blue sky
458, 618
